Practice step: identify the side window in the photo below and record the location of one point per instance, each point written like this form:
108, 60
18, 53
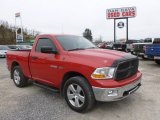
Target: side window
44, 42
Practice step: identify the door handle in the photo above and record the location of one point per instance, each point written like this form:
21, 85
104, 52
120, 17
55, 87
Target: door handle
34, 57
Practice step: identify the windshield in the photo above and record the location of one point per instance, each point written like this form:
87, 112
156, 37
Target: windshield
69, 43
4, 48
12, 46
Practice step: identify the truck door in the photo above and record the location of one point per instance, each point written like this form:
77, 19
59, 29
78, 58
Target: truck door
44, 66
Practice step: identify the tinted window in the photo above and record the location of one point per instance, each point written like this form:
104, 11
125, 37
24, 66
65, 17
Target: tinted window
156, 41
132, 41
148, 40
44, 42
70, 42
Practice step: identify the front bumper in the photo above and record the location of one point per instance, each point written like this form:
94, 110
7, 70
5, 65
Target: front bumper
115, 94
2, 55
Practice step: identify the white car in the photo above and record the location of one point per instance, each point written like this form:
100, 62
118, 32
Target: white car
3, 50
20, 47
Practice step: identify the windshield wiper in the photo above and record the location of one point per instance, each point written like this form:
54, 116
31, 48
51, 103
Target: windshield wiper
76, 49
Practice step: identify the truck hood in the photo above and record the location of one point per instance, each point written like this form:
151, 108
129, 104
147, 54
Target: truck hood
97, 57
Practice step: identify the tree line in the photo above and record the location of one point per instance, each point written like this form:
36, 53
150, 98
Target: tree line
8, 33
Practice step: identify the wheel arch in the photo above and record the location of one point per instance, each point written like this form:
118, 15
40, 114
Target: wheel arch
69, 75
14, 63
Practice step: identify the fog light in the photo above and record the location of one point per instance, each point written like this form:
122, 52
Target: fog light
112, 93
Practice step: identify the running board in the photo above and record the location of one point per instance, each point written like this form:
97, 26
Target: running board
46, 87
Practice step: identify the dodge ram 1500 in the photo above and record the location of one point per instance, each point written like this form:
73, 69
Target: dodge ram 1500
78, 69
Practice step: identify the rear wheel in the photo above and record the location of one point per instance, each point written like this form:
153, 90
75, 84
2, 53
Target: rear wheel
18, 77
78, 94
157, 61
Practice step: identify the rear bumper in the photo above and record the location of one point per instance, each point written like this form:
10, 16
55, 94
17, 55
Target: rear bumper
115, 94
138, 53
141, 54
156, 57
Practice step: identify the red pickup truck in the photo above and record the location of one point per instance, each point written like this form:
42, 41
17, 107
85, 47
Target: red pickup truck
78, 69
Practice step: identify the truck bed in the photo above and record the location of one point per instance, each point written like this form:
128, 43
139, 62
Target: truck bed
21, 57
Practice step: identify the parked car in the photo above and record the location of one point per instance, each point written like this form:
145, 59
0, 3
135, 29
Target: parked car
102, 45
78, 69
153, 51
129, 45
3, 50
109, 45
19, 47
138, 48
106, 45
121, 46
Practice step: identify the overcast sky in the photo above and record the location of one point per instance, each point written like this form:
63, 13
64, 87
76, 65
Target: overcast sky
73, 16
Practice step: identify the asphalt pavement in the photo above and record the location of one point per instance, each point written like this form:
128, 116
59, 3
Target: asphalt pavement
34, 103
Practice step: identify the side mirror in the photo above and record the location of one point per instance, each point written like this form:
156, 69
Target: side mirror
48, 49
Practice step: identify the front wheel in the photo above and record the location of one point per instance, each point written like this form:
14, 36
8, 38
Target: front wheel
78, 94
18, 77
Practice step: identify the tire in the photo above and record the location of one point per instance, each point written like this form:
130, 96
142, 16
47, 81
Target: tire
158, 62
78, 94
18, 77
132, 52
143, 57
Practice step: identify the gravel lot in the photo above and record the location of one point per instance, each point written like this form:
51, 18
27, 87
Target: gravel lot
34, 103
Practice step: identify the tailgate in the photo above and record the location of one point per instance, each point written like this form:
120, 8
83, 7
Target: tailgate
139, 48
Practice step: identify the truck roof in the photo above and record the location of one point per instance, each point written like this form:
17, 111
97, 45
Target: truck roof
57, 35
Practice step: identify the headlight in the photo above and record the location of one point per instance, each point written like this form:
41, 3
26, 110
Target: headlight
103, 73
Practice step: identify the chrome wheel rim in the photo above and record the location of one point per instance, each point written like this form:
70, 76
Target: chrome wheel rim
16, 77
75, 95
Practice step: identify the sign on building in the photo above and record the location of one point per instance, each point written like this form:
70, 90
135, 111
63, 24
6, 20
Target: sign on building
126, 12
17, 14
19, 36
19, 29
